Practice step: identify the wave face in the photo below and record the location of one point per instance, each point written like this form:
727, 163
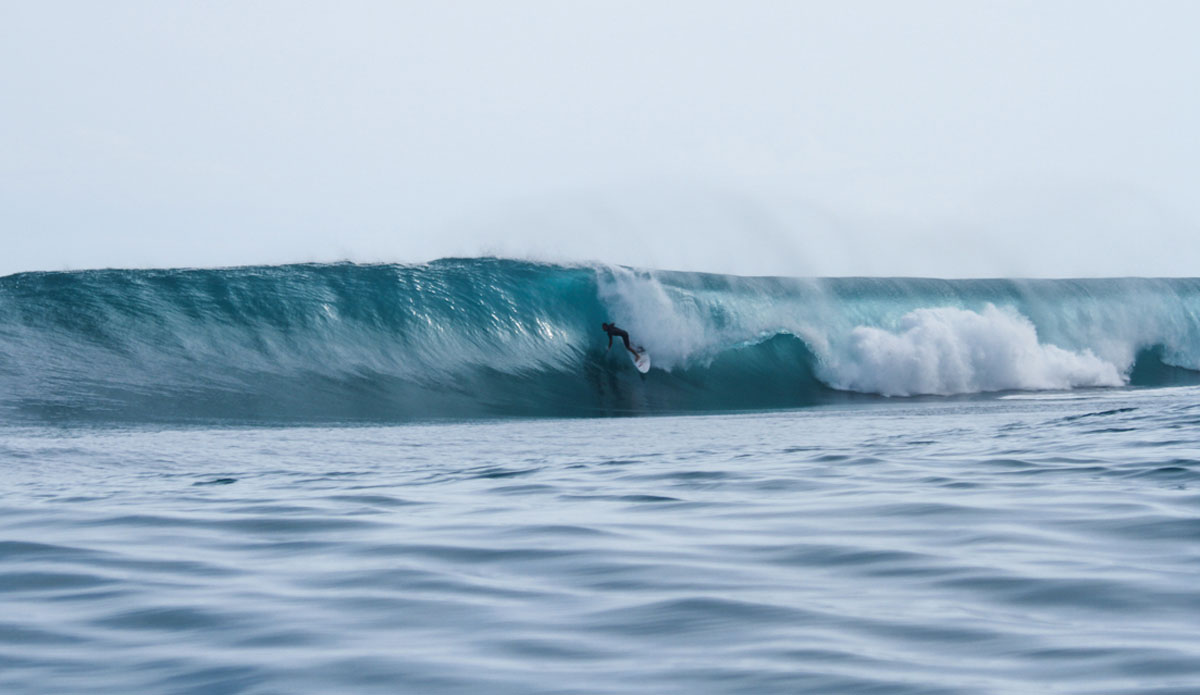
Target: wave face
491, 337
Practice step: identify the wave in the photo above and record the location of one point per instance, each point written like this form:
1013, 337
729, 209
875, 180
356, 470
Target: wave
492, 337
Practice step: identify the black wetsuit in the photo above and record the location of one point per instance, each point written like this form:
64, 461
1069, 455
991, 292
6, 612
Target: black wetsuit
612, 330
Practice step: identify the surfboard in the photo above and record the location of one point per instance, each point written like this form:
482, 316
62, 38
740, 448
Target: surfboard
642, 361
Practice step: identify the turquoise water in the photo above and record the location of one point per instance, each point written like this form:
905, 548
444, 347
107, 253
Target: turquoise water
484, 337
1036, 543
435, 479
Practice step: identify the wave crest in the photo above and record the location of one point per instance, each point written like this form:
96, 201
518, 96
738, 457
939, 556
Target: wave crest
490, 337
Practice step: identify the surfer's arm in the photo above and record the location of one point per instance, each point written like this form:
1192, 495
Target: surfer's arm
610, 341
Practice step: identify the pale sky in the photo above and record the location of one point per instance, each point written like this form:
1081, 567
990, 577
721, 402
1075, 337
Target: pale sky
797, 138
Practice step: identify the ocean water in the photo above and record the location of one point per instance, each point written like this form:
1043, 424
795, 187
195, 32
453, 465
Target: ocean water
435, 479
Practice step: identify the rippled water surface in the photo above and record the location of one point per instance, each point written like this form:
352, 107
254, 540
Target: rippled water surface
978, 546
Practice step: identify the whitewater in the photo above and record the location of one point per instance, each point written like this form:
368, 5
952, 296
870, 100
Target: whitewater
492, 337
435, 478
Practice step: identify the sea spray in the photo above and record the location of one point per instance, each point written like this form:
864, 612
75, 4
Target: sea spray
490, 337
948, 351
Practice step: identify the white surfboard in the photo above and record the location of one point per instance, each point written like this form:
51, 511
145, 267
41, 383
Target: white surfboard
642, 361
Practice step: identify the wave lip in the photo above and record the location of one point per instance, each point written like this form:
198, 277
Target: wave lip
489, 337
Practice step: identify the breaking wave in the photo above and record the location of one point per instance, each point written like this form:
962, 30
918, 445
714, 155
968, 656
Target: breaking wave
491, 337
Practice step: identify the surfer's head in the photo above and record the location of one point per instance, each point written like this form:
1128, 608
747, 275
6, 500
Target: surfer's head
604, 326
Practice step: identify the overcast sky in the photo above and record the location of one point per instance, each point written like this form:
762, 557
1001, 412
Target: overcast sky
802, 138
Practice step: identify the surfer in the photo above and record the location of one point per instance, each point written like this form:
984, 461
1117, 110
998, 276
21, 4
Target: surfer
612, 330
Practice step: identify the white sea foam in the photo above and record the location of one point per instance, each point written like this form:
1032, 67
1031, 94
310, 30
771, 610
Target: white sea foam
928, 351
947, 350
671, 328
